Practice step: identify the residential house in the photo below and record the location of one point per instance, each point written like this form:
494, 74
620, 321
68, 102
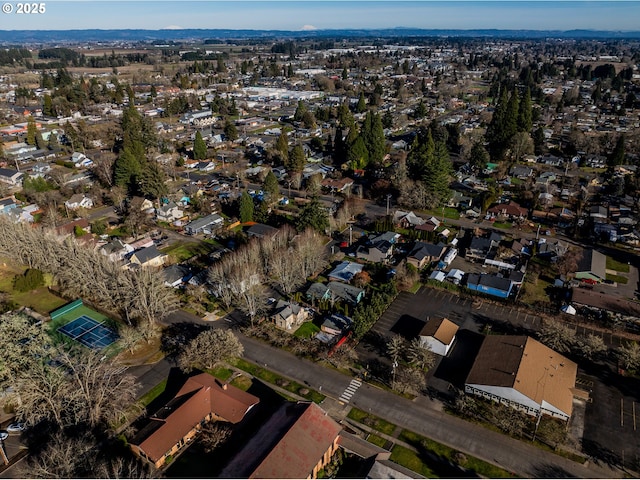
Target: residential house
438, 335
116, 250
523, 373
592, 266
511, 210
206, 225
176, 275
11, 177
599, 213
78, 200
260, 230
201, 399
169, 212
288, 315
341, 185
345, 271
142, 204
297, 441
7, 204
423, 254
548, 248
148, 257
69, 228
406, 219
336, 324
480, 247
334, 291
522, 172
80, 160
379, 248
490, 284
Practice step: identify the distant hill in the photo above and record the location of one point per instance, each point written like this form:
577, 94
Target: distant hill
13, 37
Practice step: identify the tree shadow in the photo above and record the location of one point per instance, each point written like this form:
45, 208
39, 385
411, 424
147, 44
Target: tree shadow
600, 453
177, 335
407, 326
548, 470
441, 466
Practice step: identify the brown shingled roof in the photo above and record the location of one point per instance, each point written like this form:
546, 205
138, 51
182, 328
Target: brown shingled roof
529, 367
200, 396
442, 329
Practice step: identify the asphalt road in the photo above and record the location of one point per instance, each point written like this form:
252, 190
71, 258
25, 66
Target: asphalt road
426, 418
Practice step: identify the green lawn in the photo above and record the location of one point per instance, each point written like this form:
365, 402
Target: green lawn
307, 330
449, 212
617, 278
41, 299
275, 379
182, 251
617, 266
242, 382
376, 440
484, 469
152, 394
223, 373
410, 459
372, 421
505, 225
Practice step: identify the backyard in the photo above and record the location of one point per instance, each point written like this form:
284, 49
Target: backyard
41, 299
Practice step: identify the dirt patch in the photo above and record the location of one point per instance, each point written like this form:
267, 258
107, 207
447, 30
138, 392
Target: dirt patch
145, 354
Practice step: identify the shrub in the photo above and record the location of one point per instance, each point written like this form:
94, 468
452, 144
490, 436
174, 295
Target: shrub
32, 279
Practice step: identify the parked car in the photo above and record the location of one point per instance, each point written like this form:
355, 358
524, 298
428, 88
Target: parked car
16, 427
3, 435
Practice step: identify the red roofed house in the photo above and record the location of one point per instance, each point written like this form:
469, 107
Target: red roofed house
510, 210
201, 399
296, 442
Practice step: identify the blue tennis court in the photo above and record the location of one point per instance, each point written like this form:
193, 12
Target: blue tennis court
89, 332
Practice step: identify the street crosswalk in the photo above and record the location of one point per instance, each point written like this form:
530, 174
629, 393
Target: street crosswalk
350, 390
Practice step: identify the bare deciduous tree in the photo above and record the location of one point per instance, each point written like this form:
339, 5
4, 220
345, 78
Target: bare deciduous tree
420, 357
214, 434
209, 348
629, 355
557, 336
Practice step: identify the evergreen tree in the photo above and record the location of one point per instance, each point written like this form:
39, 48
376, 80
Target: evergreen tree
345, 117
126, 169
345, 74
152, 180
199, 147
420, 111
32, 131
301, 109
387, 120
617, 157
511, 117
478, 157
1, 149
230, 131
361, 106
357, 154
313, 215
47, 108
271, 188
339, 147
282, 145
296, 159
53, 142
245, 207
373, 136
525, 113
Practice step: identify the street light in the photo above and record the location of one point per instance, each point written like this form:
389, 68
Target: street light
388, 198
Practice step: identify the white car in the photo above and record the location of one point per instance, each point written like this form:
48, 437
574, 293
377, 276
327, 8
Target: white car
15, 427
3, 435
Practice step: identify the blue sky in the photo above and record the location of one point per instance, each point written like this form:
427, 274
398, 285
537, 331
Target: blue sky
328, 14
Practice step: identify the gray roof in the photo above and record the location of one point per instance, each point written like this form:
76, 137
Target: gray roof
594, 262
345, 292
203, 222
146, 254
422, 250
491, 281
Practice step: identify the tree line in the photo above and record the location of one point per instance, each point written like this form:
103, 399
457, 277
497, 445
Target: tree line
139, 296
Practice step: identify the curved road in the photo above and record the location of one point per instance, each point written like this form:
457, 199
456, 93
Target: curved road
425, 418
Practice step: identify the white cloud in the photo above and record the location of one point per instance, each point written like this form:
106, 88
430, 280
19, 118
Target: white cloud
307, 28
172, 27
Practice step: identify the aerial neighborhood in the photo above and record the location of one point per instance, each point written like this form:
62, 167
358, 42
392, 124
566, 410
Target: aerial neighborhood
292, 256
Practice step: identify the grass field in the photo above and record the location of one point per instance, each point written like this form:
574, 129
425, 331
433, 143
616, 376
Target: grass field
182, 251
372, 421
505, 225
275, 379
484, 469
617, 266
376, 440
617, 278
152, 394
307, 330
449, 212
41, 299
411, 460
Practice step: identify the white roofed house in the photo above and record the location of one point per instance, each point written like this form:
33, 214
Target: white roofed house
78, 200
438, 335
169, 212
11, 176
149, 257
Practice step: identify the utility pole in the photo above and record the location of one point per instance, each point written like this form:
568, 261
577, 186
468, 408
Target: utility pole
350, 234
388, 198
